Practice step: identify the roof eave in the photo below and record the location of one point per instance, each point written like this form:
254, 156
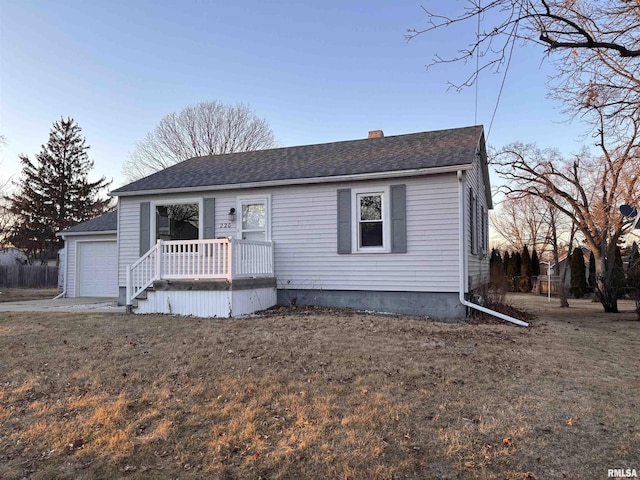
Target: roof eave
300, 181
93, 232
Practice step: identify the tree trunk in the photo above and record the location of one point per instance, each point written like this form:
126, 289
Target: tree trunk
605, 291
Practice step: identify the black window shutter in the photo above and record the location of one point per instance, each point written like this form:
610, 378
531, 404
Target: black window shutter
209, 218
399, 218
145, 227
344, 220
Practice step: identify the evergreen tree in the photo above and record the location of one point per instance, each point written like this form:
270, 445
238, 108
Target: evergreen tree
525, 271
54, 192
496, 273
634, 258
592, 272
535, 264
619, 279
505, 262
514, 271
578, 278
633, 276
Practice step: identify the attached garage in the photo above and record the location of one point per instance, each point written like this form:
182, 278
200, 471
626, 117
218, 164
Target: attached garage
97, 268
90, 265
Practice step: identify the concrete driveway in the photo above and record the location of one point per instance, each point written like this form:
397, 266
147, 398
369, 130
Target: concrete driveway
82, 304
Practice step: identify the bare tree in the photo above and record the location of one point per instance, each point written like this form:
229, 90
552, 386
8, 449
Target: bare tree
560, 270
522, 221
594, 45
207, 128
587, 189
557, 25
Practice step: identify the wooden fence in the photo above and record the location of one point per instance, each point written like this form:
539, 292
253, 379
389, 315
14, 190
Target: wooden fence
28, 276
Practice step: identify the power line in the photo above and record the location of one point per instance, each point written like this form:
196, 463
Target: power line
504, 78
475, 118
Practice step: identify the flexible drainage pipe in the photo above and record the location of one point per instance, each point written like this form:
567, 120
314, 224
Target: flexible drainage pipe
462, 249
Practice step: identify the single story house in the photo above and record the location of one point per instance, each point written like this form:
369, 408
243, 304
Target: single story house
393, 224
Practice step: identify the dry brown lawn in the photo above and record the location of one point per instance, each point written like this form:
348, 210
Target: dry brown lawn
319, 394
21, 294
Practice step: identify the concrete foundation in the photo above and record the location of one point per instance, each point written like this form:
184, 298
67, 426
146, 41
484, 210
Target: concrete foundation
436, 305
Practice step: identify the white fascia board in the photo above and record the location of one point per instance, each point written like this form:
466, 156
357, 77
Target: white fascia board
302, 181
100, 232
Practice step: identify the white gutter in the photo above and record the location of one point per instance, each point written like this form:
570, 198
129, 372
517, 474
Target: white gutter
299, 181
462, 250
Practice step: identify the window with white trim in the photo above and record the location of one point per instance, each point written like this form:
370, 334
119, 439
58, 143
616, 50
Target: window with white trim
371, 220
254, 222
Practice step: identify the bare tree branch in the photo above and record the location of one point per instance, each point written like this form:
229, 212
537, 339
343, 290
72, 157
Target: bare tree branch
587, 190
595, 47
208, 128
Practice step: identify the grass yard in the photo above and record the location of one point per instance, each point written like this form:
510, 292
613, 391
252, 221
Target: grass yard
319, 394
22, 294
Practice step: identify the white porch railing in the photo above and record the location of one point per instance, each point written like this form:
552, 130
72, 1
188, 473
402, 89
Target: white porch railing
224, 259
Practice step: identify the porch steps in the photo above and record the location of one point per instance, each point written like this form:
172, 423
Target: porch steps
207, 298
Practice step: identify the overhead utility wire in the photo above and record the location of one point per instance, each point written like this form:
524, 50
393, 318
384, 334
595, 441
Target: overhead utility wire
504, 78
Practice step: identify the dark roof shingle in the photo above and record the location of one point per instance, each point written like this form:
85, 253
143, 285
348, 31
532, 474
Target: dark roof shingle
104, 223
441, 148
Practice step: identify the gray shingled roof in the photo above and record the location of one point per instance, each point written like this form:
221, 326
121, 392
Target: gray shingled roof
104, 223
440, 148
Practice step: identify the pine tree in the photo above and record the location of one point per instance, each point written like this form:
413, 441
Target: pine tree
633, 276
535, 264
513, 272
54, 192
619, 279
496, 273
634, 258
525, 271
506, 259
578, 278
592, 272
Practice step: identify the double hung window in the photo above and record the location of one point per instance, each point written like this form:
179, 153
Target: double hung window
371, 220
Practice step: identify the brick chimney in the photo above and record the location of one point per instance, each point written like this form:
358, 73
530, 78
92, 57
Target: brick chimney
376, 134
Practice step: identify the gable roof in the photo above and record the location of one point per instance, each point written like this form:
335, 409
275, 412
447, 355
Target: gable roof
105, 223
417, 151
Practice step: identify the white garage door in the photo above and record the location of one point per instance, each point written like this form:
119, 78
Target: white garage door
97, 269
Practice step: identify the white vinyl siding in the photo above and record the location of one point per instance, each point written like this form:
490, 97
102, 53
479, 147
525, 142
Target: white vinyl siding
477, 258
306, 257
304, 231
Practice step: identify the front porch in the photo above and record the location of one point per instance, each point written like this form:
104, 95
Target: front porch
206, 278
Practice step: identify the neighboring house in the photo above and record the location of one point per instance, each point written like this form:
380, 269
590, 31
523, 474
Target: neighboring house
12, 256
394, 224
89, 262
562, 264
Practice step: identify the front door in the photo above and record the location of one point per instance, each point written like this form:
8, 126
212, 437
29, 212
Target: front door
254, 219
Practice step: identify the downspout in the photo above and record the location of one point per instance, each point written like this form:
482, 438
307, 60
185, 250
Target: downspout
462, 249
66, 259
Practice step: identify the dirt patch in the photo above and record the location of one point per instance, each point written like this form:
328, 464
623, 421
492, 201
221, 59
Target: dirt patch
321, 394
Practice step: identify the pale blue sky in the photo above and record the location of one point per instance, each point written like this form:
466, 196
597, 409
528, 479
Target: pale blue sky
317, 71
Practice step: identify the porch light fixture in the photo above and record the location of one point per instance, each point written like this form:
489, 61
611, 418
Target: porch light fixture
232, 215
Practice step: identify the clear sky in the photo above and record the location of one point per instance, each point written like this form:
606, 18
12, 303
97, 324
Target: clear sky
317, 71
